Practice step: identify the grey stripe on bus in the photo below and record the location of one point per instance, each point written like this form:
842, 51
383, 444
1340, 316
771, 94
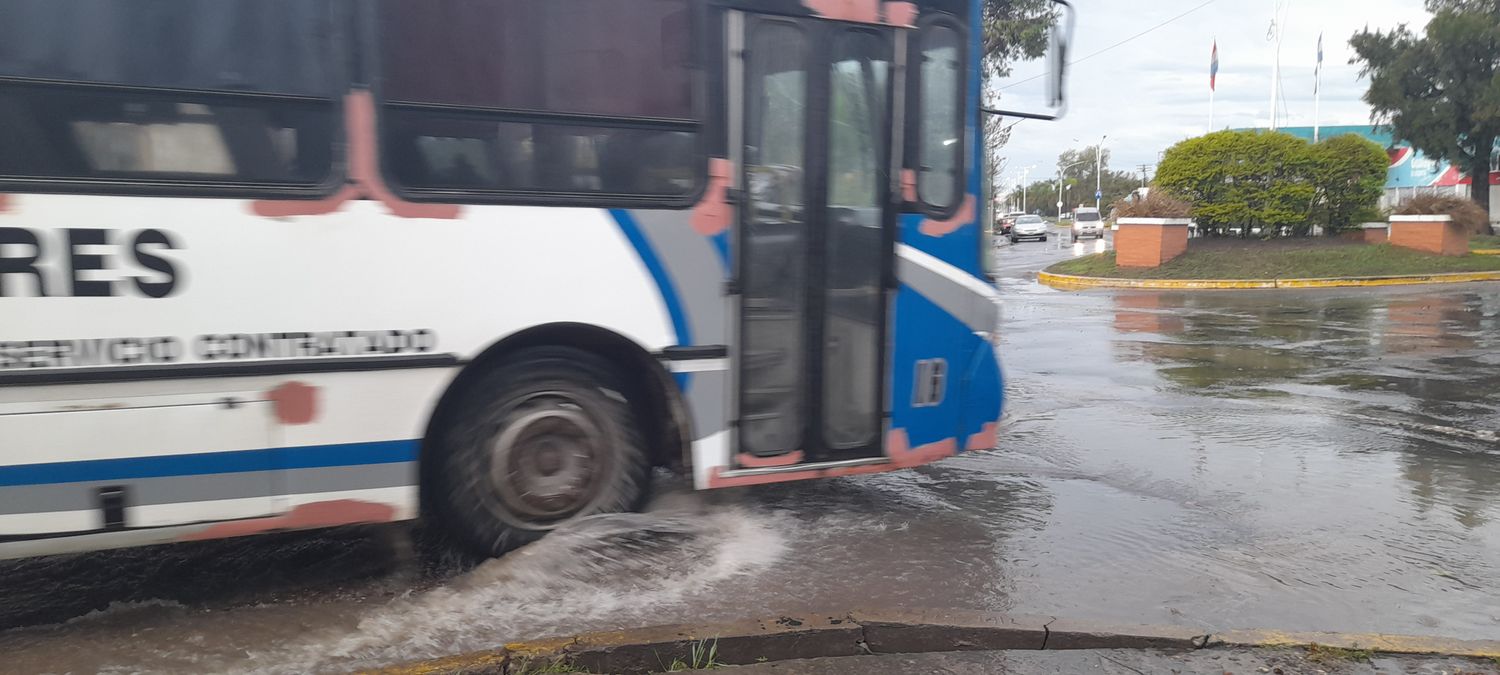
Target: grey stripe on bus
695, 268
978, 312
57, 497
698, 274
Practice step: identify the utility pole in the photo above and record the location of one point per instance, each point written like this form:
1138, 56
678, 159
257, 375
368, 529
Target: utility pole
1144, 169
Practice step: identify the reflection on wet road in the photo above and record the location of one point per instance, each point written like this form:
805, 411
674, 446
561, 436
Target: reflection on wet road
1306, 460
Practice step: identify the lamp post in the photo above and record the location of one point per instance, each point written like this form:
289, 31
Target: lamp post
1060, 173
1025, 174
1099, 173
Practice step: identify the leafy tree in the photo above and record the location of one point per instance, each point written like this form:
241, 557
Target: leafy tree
1243, 179
1015, 29
1440, 91
1349, 176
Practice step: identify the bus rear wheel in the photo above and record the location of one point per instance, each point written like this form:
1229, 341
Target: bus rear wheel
544, 438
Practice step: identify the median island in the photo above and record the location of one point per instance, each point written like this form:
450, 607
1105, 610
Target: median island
1234, 259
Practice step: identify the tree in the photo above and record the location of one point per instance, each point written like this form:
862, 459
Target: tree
1242, 179
1015, 29
1349, 175
1441, 91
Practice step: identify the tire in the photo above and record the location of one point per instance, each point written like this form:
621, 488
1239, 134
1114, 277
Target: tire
1015, 240
1044, 238
544, 438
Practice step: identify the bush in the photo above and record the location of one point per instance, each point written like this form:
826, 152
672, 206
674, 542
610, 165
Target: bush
1242, 180
1465, 212
1156, 204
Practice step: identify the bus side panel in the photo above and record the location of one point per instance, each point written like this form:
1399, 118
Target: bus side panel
238, 289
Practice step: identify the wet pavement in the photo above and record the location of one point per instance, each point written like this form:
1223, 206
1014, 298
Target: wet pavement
1300, 460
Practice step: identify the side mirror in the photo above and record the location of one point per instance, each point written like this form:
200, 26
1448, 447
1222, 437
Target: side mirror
1035, 83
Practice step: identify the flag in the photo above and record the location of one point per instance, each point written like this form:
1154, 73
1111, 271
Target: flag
1318, 72
1213, 69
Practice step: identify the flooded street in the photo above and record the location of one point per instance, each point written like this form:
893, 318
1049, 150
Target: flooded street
1299, 460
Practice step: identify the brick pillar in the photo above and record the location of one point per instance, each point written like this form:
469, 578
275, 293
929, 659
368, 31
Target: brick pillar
1430, 234
1375, 233
1150, 242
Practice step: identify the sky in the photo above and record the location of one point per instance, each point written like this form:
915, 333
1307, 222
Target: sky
1151, 92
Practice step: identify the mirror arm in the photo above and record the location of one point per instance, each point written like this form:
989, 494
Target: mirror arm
1024, 115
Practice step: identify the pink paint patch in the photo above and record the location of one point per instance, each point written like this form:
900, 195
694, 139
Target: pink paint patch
943, 228
4, 202
988, 438
304, 517
315, 207
901, 14
897, 448
749, 461
863, 11
295, 402
909, 185
365, 178
713, 214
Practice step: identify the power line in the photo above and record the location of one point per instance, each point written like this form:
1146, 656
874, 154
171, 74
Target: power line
1132, 38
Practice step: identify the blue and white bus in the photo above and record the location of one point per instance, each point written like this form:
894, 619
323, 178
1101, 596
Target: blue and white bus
285, 264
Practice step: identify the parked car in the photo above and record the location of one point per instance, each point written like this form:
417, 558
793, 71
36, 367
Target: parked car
1029, 227
1087, 223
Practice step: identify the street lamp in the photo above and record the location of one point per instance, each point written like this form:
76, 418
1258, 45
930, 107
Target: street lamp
1099, 174
1060, 172
1025, 174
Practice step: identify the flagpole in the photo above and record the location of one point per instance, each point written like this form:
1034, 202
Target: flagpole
1318, 92
1213, 83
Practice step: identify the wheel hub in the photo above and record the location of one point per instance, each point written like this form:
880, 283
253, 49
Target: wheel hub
546, 462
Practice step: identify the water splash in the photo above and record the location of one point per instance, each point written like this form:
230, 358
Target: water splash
602, 571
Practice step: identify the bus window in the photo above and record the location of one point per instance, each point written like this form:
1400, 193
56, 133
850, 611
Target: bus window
559, 97
940, 148
237, 92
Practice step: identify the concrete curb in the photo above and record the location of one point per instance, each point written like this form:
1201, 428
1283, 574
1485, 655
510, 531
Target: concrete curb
892, 632
1069, 282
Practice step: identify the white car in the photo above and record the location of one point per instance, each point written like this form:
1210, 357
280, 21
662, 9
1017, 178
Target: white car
1087, 223
1028, 227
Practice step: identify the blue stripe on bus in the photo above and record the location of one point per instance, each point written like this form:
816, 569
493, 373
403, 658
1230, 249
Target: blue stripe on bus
240, 461
632, 231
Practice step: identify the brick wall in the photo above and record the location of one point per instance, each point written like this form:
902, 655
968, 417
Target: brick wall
1149, 244
1440, 237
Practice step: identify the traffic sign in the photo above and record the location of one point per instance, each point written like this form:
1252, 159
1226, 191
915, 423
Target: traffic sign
1099, 194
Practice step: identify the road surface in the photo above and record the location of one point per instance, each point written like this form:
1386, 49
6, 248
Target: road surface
1304, 460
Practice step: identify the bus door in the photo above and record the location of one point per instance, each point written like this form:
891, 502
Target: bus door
811, 122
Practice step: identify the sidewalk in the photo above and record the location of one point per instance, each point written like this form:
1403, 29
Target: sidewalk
964, 641
1122, 662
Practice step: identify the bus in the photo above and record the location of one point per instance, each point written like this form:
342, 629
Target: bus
271, 265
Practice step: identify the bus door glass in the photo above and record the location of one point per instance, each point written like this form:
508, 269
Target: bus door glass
814, 241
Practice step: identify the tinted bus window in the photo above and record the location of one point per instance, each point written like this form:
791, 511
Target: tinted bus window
622, 58
272, 46
213, 92
564, 97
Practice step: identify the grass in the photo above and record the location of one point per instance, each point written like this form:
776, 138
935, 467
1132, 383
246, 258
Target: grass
1484, 241
1325, 655
702, 655
549, 667
1250, 262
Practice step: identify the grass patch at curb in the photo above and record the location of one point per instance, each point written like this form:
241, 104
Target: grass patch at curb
1484, 242
1325, 655
1283, 263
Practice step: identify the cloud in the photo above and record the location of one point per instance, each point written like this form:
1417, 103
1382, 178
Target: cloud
1153, 91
